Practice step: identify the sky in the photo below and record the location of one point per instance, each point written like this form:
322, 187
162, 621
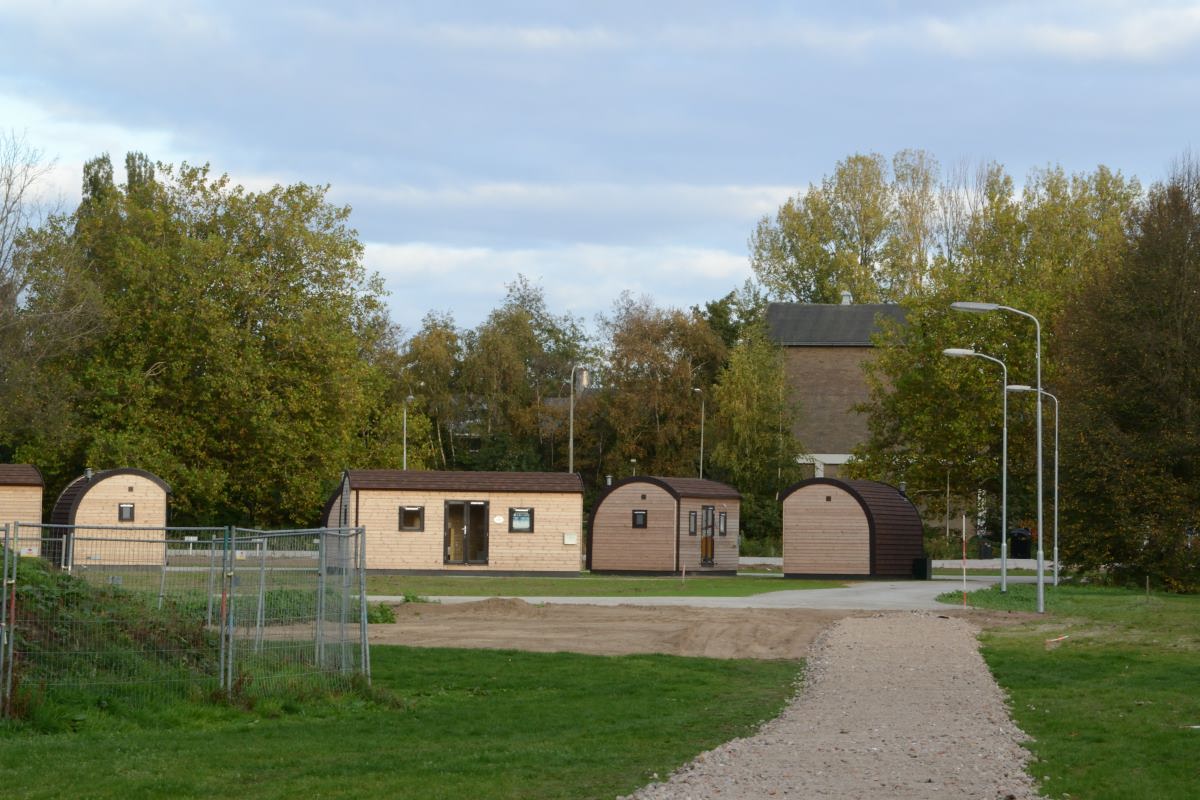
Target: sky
593, 147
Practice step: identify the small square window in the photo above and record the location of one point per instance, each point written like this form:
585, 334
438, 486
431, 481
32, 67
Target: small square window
412, 518
691, 523
520, 520
721, 523
639, 518
125, 512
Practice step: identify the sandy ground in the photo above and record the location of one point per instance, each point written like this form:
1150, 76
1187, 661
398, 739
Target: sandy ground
608, 630
895, 704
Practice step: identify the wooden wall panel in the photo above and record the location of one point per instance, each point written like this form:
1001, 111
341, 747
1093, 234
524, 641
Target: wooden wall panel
553, 546
617, 545
825, 532
98, 506
725, 551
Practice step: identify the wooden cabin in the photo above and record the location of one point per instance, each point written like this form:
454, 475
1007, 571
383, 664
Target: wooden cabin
21, 487
115, 517
665, 525
419, 522
849, 529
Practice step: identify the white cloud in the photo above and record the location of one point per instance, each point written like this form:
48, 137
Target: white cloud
580, 279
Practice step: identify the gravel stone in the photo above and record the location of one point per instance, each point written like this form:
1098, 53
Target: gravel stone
894, 705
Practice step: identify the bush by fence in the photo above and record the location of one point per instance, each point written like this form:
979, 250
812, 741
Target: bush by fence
132, 614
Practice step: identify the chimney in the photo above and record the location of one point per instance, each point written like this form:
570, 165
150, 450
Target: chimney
847, 298
87, 474
608, 480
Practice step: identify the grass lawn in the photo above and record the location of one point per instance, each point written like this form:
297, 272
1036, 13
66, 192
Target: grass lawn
586, 585
1110, 709
472, 724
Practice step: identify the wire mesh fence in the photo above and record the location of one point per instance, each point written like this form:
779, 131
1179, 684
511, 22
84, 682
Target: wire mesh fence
130, 614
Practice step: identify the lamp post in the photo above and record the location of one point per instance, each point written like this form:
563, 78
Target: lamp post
982, 308
407, 400
958, 352
700, 392
1023, 388
583, 383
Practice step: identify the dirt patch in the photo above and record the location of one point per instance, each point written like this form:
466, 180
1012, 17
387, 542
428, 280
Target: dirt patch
608, 630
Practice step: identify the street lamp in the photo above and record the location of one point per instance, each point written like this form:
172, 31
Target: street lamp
407, 400
701, 393
958, 352
1023, 388
983, 308
583, 384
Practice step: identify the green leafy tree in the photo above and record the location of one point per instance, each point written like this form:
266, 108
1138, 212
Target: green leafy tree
656, 359
1131, 398
236, 352
755, 450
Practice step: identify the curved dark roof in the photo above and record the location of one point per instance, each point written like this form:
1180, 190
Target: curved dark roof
680, 487
450, 481
68, 502
827, 324
20, 475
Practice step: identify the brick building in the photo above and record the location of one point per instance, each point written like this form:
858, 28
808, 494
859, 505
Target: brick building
825, 348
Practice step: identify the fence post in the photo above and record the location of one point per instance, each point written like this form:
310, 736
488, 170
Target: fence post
365, 657
260, 616
5, 686
322, 536
212, 576
162, 581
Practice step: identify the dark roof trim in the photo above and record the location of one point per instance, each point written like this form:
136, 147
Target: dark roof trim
21, 475
680, 488
68, 502
461, 481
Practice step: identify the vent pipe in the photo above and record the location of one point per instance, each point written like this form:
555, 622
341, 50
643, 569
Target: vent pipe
847, 298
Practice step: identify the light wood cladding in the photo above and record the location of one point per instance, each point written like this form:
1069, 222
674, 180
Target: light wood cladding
558, 518
114, 542
825, 531
725, 548
617, 545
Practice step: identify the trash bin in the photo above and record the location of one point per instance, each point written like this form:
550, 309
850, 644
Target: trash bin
985, 548
1020, 543
922, 568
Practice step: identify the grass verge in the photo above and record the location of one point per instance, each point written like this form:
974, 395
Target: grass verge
472, 723
585, 585
1110, 709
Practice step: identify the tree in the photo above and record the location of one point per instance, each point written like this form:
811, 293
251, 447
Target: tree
1131, 398
656, 359
755, 449
237, 351
932, 418
867, 229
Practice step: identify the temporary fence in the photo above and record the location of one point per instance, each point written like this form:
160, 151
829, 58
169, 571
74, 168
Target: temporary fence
133, 613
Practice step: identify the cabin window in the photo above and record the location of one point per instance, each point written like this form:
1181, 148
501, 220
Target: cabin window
124, 512
722, 523
412, 518
520, 520
691, 523
639, 518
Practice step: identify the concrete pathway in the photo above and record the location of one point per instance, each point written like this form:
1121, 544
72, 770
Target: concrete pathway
865, 595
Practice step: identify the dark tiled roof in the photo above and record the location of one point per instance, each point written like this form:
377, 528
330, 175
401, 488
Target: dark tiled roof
20, 475
815, 324
418, 480
687, 487
68, 502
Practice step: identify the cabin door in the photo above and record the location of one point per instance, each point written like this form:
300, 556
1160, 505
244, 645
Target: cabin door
466, 532
708, 529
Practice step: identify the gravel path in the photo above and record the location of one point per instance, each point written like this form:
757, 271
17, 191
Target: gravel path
895, 705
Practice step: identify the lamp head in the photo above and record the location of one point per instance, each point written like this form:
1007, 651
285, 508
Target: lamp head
974, 308
958, 352
1019, 387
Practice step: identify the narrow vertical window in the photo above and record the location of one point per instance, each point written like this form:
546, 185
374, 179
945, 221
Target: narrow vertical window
691, 523
721, 523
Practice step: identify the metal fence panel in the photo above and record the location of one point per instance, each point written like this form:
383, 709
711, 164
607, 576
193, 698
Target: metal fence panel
138, 613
